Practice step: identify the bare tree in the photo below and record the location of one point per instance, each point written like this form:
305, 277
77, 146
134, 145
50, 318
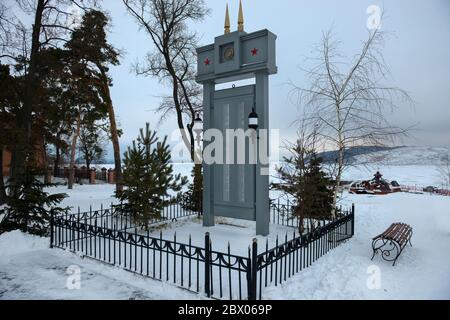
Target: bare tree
173, 59
92, 143
347, 101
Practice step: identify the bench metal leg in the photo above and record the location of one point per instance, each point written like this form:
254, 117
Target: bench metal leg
390, 250
395, 261
410, 238
374, 254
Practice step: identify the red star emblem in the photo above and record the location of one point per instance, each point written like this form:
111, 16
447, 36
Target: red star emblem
207, 62
254, 52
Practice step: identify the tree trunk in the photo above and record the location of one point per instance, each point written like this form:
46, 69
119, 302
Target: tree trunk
188, 142
113, 129
57, 161
2, 183
72, 153
338, 179
47, 179
88, 164
340, 158
116, 145
24, 119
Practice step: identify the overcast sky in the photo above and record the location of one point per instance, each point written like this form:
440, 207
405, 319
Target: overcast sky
418, 53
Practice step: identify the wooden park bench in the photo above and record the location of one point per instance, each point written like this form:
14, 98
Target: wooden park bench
392, 241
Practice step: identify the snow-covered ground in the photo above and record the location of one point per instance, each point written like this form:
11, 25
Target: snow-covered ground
422, 271
28, 269
85, 196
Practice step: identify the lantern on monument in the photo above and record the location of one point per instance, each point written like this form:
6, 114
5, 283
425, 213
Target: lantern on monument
198, 128
253, 120
198, 123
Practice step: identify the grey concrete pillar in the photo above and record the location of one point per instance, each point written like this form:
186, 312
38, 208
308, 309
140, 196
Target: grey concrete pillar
208, 170
261, 174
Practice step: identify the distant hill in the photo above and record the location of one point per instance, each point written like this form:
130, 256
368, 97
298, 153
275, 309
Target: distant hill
403, 155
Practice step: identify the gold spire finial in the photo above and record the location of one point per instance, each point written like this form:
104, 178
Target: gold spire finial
227, 21
241, 18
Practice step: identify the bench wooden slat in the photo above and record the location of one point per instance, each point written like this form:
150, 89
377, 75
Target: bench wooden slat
399, 232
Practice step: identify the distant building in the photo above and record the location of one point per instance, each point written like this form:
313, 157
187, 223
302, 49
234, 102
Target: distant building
7, 155
6, 162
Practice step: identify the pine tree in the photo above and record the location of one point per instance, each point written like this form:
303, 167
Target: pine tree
89, 44
317, 191
31, 211
193, 198
9, 105
303, 181
148, 178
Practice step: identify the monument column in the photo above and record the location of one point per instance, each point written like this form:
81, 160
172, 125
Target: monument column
235, 190
208, 170
262, 168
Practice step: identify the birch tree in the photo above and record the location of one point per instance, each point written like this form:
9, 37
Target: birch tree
347, 100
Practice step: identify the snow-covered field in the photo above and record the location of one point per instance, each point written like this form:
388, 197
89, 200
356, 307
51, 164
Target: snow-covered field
28, 269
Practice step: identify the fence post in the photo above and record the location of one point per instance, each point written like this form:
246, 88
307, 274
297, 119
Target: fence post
207, 265
353, 219
252, 278
51, 229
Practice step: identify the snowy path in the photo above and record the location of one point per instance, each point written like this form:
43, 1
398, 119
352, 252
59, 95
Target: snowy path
422, 271
29, 270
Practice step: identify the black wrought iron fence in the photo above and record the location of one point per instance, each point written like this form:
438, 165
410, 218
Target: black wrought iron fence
199, 269
274, 266
109, 235
281, 214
